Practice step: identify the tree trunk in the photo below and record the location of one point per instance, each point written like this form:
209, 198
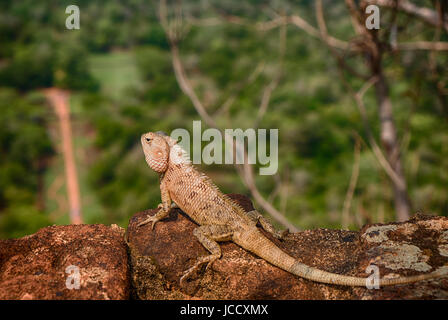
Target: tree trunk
391, 146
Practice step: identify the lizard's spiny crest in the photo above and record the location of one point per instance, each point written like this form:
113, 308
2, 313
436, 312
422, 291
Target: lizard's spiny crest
156, 151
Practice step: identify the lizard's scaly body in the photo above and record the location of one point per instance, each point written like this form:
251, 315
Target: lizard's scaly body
222, 219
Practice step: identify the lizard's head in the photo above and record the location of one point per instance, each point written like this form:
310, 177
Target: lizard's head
156, 150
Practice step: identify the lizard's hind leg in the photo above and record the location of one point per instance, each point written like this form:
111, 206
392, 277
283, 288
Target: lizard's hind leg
266, 225
208, 235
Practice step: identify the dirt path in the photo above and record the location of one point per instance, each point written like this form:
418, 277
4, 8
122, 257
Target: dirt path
59, 100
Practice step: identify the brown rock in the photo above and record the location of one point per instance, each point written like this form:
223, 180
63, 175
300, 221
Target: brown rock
35, 266
159, 257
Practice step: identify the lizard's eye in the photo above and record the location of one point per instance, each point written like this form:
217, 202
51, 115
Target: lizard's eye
148, 139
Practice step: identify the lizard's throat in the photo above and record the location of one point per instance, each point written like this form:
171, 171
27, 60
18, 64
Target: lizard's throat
158, 165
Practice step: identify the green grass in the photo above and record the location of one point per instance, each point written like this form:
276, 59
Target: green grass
93, 211
115, 72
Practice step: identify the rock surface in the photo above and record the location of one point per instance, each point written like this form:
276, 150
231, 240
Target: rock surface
35, 266
159, 257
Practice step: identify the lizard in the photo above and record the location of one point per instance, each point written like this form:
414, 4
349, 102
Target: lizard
222, 219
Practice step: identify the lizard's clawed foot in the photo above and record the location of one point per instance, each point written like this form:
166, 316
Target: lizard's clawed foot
152, 219
157, 217
187, 273
281, 235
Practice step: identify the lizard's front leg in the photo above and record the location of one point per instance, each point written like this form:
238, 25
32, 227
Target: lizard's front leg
164, 207
208, 235
266, 225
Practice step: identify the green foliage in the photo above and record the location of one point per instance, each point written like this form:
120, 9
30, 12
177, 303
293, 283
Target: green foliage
21, 220
71, 69
31, 67
120, 64
155, 67
24, 146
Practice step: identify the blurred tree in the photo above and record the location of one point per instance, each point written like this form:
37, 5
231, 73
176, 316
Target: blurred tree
233, 56
24, 142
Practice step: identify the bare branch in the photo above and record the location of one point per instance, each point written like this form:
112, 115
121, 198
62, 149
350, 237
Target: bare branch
271, 24
429, 16
250, 182
187, 88
423, 45
247, 172
204, 22
324, 35
331, 41
265, 99
352, 185
301, 23
372, 49
238, 88
355, 17
358, 97
277, 189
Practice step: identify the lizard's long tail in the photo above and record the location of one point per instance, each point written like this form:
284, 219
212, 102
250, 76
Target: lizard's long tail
258, 244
